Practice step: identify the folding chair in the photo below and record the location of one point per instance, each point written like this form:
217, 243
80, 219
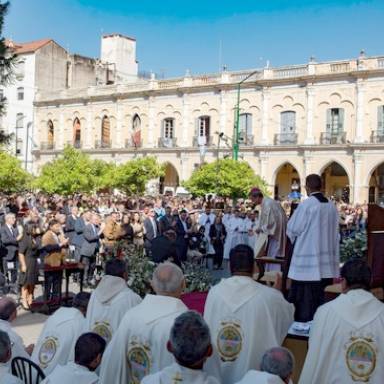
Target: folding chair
27, 371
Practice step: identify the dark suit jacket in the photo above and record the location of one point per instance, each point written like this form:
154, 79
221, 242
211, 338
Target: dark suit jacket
180, 232
148, 227
78, 238
163, 249
69, 229
9, 243
91, 241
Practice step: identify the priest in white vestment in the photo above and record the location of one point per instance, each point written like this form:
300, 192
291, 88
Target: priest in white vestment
56, 343
245, 318
89, 349
110, 300
8, 313
138, 348
6, 376
276, 368
206, 219
190, 344
251, 223
314, 231
346, 342
235, 232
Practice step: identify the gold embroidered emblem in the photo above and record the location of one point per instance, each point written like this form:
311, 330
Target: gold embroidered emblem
139, 361
103, 329
48, 351
229, 340
360, 358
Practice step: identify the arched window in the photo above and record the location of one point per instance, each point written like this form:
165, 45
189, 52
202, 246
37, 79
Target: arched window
380, 120
168, 127
287, 122
50, 135
20, 93
76, 133
136, 131
335, 127
105, 132
245, 129
203, 130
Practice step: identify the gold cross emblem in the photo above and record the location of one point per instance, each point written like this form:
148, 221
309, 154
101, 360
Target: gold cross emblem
177, 378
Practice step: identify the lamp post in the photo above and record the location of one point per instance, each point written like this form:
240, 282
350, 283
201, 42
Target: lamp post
235, 154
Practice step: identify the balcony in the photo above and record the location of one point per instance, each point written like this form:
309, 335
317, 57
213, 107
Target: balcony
377, 137
246, 140
333, 138
46, 146
202, 140
102, 144
130, 143
167, 142
75, 144
289, 138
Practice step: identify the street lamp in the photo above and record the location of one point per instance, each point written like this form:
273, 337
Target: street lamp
235, 154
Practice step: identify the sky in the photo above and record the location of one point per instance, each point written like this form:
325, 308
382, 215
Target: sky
203, 35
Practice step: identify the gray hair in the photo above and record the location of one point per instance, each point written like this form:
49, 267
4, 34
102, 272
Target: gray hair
167, 278
5, 346
278, 361
190, 338
9, 216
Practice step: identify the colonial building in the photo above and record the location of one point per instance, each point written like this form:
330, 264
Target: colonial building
320, 117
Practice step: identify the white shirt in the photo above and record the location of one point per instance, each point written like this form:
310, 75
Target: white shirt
71, 373
108, 304
18, 348
138, 348
6, 377
176, 373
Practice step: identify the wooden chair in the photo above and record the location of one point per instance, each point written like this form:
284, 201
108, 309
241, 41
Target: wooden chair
27, 371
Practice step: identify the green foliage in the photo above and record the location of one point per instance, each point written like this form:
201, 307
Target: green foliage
133, 176
102, 173
13, 178
225, 177
352, 247
197, 278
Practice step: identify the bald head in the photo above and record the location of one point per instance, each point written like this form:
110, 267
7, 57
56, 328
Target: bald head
168, 280
8, 308
278, 361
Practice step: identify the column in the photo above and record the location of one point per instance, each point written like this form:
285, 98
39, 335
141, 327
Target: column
118, 135
357, 185
223, 111
61, 134
88, 143
309, 138
359, 135
186, 122
307, 168
265, 116
151, 121
263, 160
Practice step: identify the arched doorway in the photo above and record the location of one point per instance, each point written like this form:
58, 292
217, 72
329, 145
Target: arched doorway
51, 134
105, 132
287, 181
376, 185
136, 131
170, 181
335, 182
76, 133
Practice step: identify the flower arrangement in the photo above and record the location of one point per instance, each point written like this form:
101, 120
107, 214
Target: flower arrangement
354, 246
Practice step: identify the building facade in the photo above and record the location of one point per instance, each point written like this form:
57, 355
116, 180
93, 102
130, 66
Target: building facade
324, 118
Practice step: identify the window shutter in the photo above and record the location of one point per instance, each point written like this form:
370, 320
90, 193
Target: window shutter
329, 120
249, 128
340, 125
380, 118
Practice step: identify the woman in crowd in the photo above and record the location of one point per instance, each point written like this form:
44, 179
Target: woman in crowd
138, 231
217, 234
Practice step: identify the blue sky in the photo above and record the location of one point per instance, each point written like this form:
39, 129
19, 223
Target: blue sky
175, 35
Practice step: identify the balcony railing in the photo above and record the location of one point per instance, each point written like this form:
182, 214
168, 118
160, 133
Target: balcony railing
46, 146
285, 138
333, 138
75, 144
246, 139
377, 137
167, 142
102, 144
129, 143
197, 140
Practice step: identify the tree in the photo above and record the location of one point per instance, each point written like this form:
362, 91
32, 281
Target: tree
7, 63
227, 178
133, 176
72, 172
13, 178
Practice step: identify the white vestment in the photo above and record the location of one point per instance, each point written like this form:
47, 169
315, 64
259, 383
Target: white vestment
250, 227
18, 348
258, 377
245, 318
6, 376
175, 373
108, 304
71, 374
346, 342
273, 222
314, 228
235, 234
206, 221
138, 348
56, 344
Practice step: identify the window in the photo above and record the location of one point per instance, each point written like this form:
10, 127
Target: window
136, 131
335, 120
168, 128
105, 132
20, 93
76, 133
19, 146
19, 121
204, 126
380, 120
51, 133
20, 70
287, 122
245, 124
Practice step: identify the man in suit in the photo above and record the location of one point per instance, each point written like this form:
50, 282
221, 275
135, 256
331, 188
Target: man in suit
90, 246
70, 222
151, 230
182, 232
10, 247
78, 238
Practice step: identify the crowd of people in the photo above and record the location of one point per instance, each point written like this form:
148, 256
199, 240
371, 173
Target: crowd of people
114, 336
